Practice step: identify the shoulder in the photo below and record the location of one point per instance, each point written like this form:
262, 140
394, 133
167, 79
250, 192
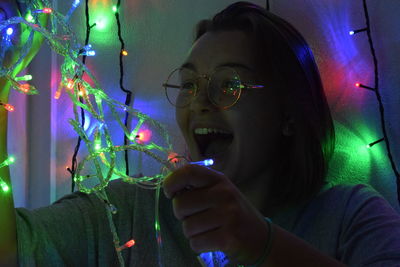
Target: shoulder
352, 198
368, 226
347, 194
349, 202
118, 193
352, 223
349, 190
335, 209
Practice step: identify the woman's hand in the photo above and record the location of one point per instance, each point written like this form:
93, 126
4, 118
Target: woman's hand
215, 215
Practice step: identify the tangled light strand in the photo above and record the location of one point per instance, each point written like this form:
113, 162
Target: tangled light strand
93, 100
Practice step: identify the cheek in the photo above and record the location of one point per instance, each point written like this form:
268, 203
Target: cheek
181, 117
260, 123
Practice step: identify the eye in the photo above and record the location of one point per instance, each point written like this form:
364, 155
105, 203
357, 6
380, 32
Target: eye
230, 87
188, 88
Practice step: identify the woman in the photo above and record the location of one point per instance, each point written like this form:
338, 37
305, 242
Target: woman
251, 100
271, 144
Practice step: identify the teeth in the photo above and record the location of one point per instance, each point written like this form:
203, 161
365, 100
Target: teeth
209, 131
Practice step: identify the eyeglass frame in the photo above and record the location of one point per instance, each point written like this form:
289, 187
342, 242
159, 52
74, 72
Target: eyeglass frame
208, 78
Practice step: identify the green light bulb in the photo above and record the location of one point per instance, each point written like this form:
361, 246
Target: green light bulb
114, 8
29, 18
10, 160
157, 226
100, 24
4, 186
24, 78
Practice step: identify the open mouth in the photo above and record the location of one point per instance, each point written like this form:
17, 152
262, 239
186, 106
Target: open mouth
212, 142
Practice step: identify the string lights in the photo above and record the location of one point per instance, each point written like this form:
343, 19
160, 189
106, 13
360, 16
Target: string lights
376, 142
128, 244
90, 98
8, 107
376, 90
86, 94
128, 99
364, 86
70, 85
357, 31
4, 186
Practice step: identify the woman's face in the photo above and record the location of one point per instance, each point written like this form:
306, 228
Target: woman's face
251, 148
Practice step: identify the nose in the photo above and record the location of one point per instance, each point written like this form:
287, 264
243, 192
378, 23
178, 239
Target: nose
201, 102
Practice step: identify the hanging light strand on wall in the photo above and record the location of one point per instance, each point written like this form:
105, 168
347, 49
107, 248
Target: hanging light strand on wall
267, 5
376, 89
74, 162
128, 99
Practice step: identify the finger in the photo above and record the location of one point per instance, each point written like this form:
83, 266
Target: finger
189, 203
202, 222
189, 176
214, 240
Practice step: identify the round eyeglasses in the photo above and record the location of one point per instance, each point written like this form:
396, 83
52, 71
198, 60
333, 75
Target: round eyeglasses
224, 87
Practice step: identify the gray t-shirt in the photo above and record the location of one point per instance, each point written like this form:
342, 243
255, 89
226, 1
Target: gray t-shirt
353, 224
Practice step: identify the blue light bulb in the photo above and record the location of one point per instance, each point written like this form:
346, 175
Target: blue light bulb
208, 162
10, 31
76, 3
91, 53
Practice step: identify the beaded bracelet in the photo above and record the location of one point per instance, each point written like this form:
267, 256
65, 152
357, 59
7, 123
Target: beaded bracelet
267, 249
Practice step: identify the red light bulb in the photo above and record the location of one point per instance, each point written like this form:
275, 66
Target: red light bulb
70, 84
143, 136
57, 95
47, 10
24, 88
130, 243
172, 157
9, 107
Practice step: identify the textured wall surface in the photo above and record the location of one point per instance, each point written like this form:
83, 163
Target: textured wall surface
158, 35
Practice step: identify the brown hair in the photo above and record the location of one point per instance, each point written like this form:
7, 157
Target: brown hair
282, 50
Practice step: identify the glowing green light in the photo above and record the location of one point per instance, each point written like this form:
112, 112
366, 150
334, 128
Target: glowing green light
10, 160
376, 142
351, 162
24, 78
4, 186
157, 226
7, 162
96, 169
30, 18
114, 8
104, 19
101, 24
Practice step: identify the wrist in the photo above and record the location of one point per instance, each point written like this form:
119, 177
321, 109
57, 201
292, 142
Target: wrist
264, 256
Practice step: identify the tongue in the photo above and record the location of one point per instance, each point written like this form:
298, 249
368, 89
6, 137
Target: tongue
217, 146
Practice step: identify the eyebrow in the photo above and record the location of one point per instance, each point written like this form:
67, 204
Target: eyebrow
191, 66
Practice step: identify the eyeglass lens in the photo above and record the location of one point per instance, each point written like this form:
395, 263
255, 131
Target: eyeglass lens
223, 91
